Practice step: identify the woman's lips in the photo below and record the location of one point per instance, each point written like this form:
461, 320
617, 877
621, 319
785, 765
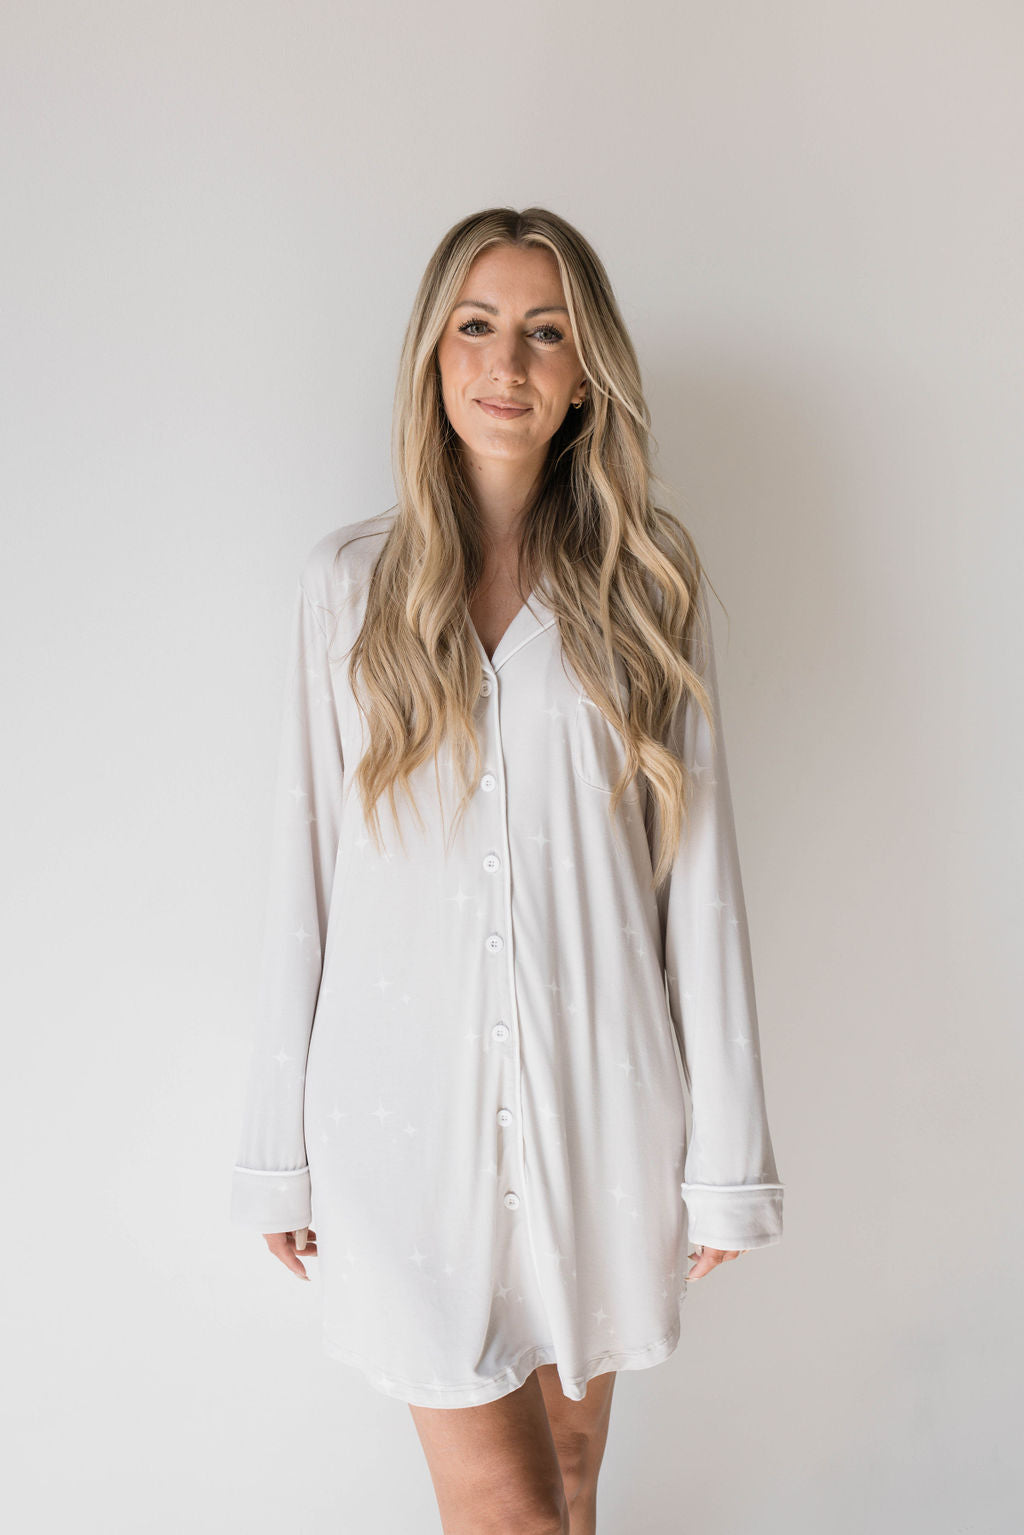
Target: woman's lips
503, 412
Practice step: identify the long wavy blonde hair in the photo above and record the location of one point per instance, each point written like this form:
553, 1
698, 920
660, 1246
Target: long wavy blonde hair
621, 574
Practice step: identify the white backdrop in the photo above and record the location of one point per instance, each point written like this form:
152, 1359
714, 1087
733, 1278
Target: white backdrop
215, 218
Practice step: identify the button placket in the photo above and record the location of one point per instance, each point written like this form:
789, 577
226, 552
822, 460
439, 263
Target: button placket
496, 860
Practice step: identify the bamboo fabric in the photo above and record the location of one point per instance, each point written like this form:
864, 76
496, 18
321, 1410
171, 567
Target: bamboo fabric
472, 1065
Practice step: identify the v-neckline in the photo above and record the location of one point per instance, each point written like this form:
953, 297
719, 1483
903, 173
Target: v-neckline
523, 626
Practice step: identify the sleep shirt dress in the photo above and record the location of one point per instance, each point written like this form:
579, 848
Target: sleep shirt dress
471, 1065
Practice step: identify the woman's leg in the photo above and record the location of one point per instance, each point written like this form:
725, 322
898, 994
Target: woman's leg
495, 1467
580, 1432
498, 1469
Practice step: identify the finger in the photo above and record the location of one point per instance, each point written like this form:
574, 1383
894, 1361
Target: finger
290, 1261
708, 1258
282, 1245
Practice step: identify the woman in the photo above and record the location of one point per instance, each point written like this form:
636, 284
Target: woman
506, 923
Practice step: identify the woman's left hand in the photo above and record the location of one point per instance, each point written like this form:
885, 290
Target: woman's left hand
709, 1258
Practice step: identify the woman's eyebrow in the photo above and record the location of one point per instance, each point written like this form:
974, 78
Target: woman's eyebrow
472, 303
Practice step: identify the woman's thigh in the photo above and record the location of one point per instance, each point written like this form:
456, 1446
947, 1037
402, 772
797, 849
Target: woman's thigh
495, 1467
515, 1464
579, 1429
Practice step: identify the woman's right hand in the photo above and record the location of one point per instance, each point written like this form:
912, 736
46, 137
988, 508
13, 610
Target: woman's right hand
287, 1245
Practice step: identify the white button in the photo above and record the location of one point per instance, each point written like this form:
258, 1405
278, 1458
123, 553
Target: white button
504, 1116
487, 782
512, 1200
492, 862
501, 1031
495, 942
485, 686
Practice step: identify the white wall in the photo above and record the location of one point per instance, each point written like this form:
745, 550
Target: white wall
215, 217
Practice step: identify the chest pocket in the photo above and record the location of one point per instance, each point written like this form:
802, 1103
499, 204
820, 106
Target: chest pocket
598, 750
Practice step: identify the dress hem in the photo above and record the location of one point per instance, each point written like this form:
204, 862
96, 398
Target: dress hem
418, 1394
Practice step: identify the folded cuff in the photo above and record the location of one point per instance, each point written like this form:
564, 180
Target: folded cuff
270, 1201
733, 1216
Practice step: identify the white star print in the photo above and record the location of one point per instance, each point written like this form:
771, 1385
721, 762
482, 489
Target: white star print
744, 1044
583, 906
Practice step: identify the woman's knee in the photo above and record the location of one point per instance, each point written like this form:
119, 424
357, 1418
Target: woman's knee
518, 1515
579, 1459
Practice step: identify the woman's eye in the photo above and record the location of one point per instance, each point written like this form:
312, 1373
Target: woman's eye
554, 333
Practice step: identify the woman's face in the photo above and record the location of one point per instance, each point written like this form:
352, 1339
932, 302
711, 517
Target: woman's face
508, 338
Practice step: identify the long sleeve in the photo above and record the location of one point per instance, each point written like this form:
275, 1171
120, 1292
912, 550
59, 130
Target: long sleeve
270, 1188
731, 1184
